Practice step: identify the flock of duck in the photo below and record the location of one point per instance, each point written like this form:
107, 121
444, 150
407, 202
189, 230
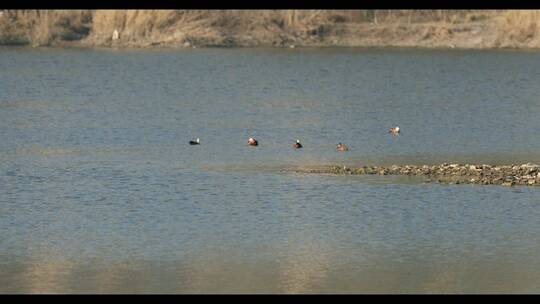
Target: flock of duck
297, 145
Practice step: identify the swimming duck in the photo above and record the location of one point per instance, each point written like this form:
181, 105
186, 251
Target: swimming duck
394, 131
253, 142
342, 147
195, 142
297, 145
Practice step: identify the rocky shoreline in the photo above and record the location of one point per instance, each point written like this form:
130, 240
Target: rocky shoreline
509, 175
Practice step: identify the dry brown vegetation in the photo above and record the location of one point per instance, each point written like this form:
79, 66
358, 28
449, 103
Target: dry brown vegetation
183, 28
520, 28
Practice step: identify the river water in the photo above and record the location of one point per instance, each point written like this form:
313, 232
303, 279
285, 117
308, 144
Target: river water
100, 192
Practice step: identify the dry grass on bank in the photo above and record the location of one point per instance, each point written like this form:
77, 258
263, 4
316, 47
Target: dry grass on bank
267, 27
518, 27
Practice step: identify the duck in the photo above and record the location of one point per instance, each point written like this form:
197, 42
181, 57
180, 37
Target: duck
253, 142
195, 142
394, 131
297, 145
342, 147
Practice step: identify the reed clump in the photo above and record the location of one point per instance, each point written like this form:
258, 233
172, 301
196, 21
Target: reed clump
519, 28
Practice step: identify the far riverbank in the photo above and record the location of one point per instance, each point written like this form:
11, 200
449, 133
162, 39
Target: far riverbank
465, 29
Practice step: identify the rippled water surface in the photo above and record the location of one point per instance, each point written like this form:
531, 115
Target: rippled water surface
99, 191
